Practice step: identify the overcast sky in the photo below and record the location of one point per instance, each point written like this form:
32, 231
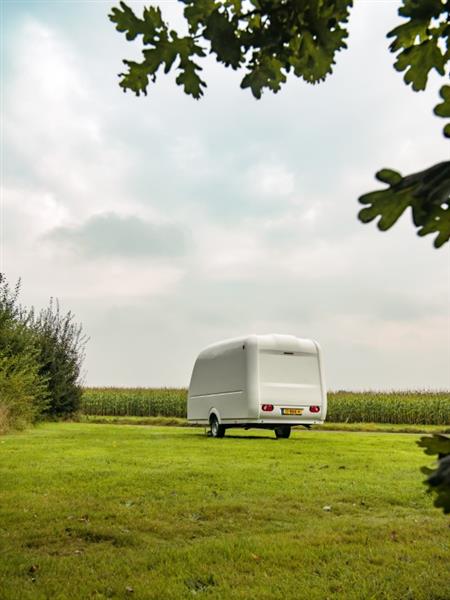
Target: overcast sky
167, 223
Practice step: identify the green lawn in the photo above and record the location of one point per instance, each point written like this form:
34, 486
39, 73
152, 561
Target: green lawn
181, 422
114, 511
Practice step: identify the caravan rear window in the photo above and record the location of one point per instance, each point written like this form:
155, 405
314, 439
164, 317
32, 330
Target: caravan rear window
293, 368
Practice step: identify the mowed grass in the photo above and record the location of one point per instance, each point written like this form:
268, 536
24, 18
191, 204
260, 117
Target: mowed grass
106, 511
179, 422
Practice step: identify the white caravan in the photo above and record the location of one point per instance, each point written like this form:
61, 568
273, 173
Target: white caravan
263, 381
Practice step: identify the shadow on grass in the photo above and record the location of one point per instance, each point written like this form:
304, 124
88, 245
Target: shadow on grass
191, 436
251, 437
269, 436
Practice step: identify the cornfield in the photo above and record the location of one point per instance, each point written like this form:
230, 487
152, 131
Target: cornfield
412, 408
135, 402
407, 408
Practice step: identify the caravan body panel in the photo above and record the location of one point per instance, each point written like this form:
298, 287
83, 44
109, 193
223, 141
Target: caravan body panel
239, 379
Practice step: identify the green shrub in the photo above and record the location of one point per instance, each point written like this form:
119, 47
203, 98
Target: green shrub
23, 393
40, 361
61, 346
23, 389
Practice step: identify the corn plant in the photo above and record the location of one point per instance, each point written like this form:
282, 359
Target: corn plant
406, 407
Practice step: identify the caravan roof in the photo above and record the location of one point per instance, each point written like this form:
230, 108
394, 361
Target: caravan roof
284, 343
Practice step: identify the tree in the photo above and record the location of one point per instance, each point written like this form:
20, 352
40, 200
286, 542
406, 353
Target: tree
269, 39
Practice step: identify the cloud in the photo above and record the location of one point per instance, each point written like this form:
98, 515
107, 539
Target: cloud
271, 180
167, 224
112, 235
56, 128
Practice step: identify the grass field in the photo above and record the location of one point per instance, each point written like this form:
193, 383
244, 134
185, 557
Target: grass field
409, 407
181, 422
106, 511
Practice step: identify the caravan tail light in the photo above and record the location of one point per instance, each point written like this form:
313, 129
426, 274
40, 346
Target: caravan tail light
267, 407
314, 409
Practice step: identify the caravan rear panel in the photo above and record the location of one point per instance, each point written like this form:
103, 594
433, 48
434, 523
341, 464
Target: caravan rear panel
259, 380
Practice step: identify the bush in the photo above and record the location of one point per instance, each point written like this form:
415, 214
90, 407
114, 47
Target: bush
23, 392
23, 389
40, 361
61, 352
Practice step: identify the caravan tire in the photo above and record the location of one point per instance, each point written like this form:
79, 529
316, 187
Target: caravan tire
217, 430
284, 431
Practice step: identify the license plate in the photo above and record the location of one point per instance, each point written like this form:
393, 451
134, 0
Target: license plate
291, 411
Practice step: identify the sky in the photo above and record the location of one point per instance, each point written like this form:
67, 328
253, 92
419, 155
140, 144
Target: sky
166, 224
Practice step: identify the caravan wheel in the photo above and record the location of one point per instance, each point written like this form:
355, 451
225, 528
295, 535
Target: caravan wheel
284, 431
217, 430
